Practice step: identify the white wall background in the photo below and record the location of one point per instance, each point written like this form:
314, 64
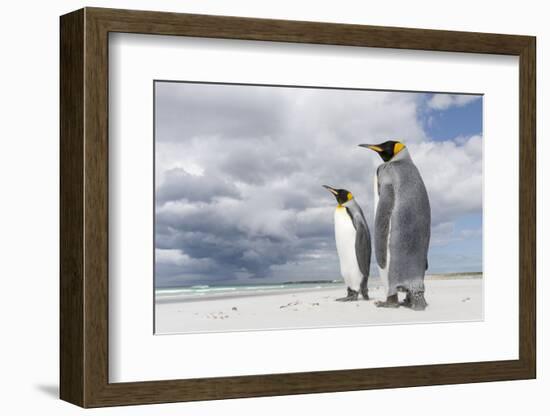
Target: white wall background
29, 209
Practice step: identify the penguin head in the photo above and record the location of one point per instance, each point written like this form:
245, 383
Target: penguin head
386, 150
342, 195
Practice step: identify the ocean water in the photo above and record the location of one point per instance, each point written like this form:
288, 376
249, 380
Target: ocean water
198, 292
203, 292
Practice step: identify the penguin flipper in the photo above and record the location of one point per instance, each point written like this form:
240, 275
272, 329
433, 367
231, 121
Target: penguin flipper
364, 288
363, 248
362, 239
382, 224
363, 254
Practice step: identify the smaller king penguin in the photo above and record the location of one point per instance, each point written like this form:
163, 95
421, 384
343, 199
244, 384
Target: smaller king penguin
353, 244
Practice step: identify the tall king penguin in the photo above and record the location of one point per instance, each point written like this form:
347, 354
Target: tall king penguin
352, 243
402, 225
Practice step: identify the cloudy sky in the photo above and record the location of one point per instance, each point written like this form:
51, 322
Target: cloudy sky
239, 171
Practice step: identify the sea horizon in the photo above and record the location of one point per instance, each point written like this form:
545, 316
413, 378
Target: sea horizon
195, 292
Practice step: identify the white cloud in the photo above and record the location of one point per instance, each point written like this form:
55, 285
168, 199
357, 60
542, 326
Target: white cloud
453, 174
171, 256
446, 101
471, 233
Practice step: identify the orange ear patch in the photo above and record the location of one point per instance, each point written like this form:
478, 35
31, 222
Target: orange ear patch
398, 147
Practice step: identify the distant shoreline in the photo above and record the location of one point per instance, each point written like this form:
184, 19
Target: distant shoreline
199, 293
432, 276
238, 295
460, 275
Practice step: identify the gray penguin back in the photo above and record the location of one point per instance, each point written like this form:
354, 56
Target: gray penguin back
363, 247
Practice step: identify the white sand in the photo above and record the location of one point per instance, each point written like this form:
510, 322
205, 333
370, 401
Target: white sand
448, 300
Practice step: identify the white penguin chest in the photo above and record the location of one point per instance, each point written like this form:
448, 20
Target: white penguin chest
345, 245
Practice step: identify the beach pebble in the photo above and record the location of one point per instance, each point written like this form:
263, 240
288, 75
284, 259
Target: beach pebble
466, 299
234, 308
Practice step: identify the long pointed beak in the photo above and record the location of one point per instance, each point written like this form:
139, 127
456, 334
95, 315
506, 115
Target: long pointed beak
331, 190
372, 147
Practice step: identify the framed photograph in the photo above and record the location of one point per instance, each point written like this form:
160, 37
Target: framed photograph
254, 207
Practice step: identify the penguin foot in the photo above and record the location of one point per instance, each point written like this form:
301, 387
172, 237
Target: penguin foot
391, 302
407, 301
415, 301
352, 296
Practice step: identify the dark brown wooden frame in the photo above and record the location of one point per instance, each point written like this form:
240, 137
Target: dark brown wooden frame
84, 209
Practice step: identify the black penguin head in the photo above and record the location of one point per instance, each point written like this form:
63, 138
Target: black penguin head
386, 150
342, 195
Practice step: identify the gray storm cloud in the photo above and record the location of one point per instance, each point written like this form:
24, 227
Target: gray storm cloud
180, 185
239, 171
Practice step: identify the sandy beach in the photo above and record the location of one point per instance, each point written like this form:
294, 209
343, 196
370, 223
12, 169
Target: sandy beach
449, 299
